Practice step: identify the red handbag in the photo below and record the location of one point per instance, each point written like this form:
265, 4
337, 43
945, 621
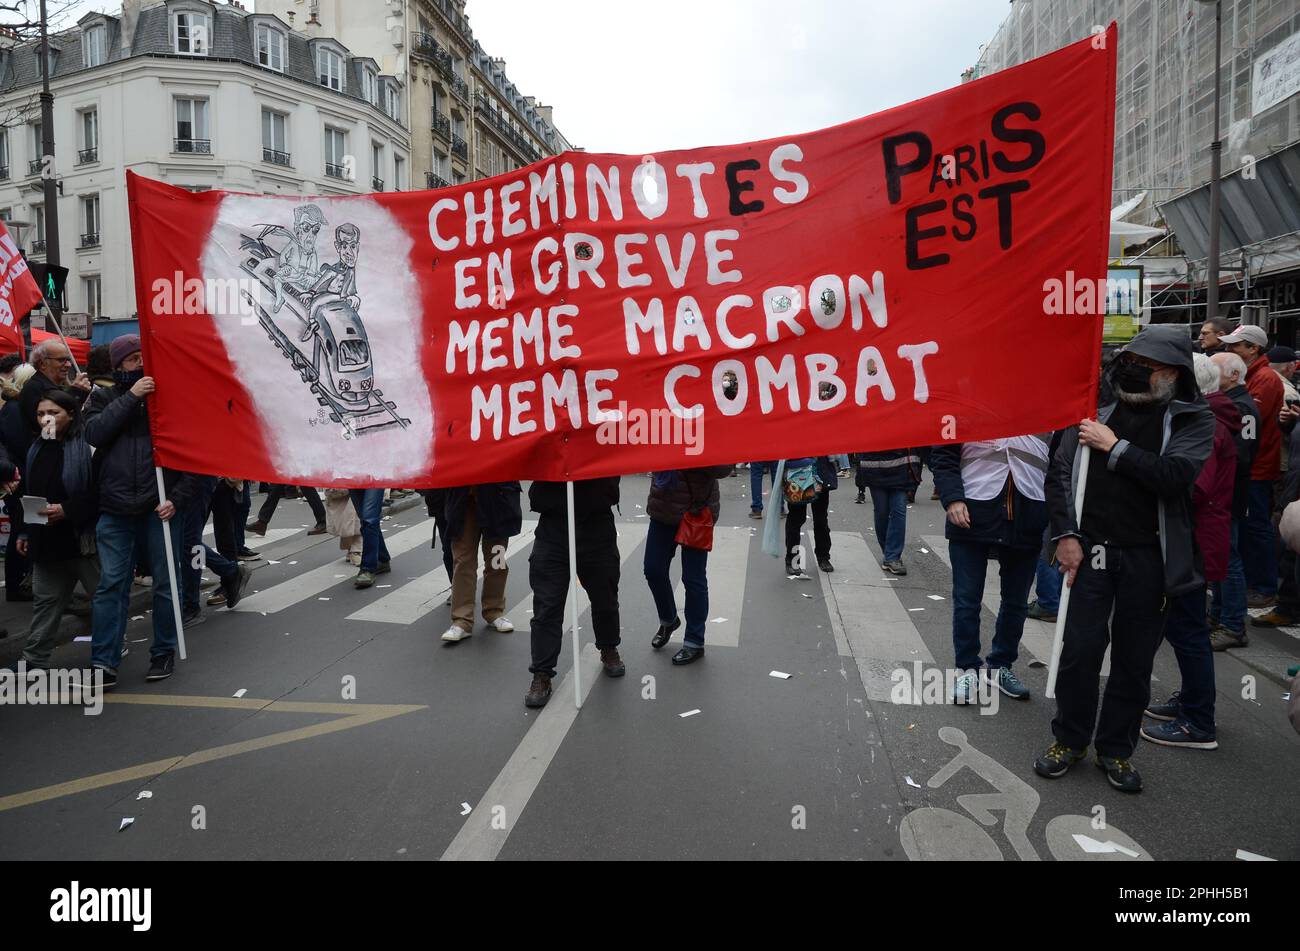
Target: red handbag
696, 530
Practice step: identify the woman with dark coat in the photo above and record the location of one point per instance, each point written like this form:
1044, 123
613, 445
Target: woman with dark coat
826, 473
890, 475
1187, 718
62, 551
672, 494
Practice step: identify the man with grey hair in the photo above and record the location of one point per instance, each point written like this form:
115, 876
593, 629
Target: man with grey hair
53, 362
1228, 597
1148, 445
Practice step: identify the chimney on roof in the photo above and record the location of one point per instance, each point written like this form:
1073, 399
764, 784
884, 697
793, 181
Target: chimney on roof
130, 16
314, 19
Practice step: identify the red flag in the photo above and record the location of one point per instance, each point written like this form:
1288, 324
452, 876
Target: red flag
935, 272
80, 348
18, 293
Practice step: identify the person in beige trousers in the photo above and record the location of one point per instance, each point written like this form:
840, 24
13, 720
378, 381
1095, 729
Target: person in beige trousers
485, 517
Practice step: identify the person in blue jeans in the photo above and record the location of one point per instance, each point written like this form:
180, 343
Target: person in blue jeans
369, 504
672, 494
234, 576
890, 475
993, 494
756, 470
131, 514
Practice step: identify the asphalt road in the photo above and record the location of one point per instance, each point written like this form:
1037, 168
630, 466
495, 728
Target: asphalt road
323, 722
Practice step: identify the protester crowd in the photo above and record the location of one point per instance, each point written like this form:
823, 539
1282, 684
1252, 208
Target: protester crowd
1189, 467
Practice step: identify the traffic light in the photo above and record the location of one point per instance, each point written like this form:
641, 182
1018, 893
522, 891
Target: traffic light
52, 281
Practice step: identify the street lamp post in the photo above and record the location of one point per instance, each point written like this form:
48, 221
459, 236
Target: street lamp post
1216, 155
49, 181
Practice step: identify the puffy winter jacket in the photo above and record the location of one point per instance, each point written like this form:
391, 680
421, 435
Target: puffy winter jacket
891, 469
690, 489
116, 423
1212, 494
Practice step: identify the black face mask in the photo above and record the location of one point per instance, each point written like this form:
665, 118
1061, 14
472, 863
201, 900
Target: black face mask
127, 377
1133, 377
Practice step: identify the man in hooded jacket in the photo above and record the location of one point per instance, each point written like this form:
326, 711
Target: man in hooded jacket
1132, 548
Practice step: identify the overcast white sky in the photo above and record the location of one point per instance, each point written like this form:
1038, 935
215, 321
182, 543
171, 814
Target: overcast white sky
642, 75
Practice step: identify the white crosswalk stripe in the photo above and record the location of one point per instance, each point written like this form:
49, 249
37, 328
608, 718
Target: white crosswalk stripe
312, 583
868, 617
426, 593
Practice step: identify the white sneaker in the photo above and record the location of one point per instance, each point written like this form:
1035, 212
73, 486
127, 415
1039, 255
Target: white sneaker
502, 624
456, 633
966, 689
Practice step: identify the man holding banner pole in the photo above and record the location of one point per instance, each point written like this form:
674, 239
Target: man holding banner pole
136, 504
1128, 549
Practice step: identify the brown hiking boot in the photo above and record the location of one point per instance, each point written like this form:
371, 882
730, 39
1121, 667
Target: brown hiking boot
539, 692
612, 663
1274, 618
257, 528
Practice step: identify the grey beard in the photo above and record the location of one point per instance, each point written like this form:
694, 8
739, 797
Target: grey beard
1159, 393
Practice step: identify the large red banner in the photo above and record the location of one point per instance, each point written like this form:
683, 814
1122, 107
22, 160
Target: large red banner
892, 281
19, 293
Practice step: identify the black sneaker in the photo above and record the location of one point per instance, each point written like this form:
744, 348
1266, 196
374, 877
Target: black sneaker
1120, 773
1057, 760
110, 677
1169, 710
1039, 613
247, 554
861, 499
193, 618
234, 587
825, 565
161, 667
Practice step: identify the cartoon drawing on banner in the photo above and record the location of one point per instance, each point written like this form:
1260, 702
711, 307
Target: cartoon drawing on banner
315, 317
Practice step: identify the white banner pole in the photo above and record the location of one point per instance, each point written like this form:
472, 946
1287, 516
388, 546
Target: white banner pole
171, 565
573, 600
1058, 641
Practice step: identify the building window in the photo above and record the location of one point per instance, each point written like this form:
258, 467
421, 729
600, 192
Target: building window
399, 173
191, 33
192, 126
38, 225
370, 86
329, 65
336, 149
393, 105
377, 166
89, 122
270, 48
274, 138
92, 295
90, 221
4, 154
94, 46
34, 165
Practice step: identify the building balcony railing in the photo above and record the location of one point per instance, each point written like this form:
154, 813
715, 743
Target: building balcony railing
427, 45
504, 130
442, 126
196, 146
455, 19
90, 240
34, 166
38, 246
376, 184
336, 171
459, 88
435, 181
86, 156
459, 147
275, 157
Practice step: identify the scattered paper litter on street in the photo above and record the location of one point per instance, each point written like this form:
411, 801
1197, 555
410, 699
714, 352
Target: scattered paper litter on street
125, 823
935, 597
144, 794
241, 691
780, 674
912, 782
688, 713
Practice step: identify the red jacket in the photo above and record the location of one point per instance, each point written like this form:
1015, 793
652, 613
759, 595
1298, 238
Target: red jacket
1266, 390
1212, 494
